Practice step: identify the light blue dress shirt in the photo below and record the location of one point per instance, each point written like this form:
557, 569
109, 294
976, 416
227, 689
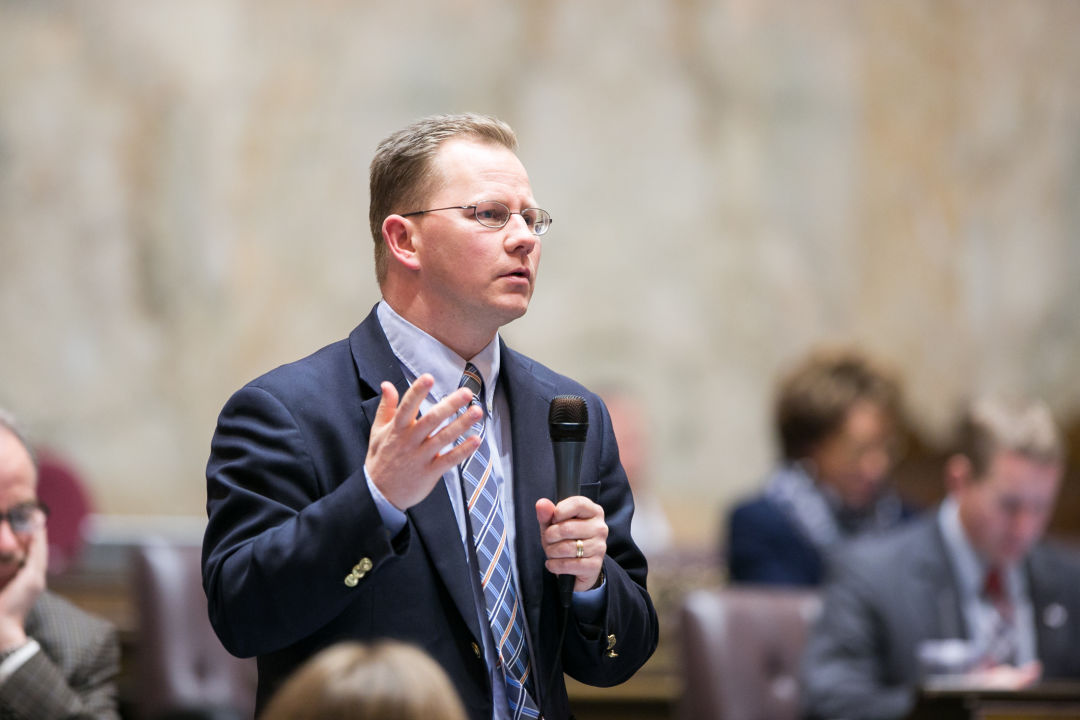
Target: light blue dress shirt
979, 613
420, 353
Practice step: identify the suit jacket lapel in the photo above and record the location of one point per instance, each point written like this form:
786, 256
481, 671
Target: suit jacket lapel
534, 472
943, 616
437, 527
433, 517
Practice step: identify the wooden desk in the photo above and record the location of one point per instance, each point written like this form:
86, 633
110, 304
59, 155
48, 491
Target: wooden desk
1047, 701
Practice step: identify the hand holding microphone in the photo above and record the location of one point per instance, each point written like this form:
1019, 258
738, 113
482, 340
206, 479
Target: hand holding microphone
573, 532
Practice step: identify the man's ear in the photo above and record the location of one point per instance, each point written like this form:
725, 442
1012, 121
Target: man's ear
958, 473
397, 233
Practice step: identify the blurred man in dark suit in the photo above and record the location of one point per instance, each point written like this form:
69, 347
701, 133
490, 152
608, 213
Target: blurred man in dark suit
969, 590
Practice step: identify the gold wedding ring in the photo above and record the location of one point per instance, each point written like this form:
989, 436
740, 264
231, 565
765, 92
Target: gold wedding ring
580, 548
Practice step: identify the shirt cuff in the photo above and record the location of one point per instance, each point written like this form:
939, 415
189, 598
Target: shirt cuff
589, 604
392, 518
17, 658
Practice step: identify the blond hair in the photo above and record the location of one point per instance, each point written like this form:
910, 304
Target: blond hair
387, 680
401, 171
996, 424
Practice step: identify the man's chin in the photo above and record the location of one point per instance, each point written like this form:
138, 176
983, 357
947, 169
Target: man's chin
510, 311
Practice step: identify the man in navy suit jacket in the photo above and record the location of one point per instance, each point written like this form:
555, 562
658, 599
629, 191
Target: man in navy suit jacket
333, 488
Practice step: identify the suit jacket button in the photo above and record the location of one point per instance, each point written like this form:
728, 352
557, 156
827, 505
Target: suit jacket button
476, 650
359, 570
611, 647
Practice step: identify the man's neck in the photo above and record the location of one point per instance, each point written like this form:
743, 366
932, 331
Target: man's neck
451, 331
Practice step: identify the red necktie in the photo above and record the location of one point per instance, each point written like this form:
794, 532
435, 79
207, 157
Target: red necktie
1001, 647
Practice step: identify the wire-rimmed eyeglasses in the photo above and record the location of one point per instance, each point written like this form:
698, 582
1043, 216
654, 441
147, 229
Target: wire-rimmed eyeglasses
24, 517
493, 214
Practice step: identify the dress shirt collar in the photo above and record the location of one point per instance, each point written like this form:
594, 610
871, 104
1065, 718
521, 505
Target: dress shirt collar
420, 353
971, 569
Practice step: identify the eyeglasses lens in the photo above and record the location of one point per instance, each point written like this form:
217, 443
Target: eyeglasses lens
23, 518
492, 214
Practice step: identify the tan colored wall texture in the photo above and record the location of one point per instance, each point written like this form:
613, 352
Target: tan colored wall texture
183, 200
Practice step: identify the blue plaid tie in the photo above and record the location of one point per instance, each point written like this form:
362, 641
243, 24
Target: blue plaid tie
483, 498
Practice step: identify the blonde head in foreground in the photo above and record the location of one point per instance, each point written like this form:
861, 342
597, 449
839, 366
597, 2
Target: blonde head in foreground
353, 681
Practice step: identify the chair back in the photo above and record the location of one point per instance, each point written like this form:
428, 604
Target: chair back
741, 652
182, 669
63, 491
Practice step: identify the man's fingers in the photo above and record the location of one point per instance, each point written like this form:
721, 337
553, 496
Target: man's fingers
456, 428
410, 401
590, 547
545, 509
38, 555
457, 454
575, 530
586, 571
447, 408
579, 507
387, 403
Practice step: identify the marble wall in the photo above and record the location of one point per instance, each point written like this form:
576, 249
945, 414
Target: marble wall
183, 204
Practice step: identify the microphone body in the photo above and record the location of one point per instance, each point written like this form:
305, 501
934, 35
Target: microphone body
568, 422
568, 455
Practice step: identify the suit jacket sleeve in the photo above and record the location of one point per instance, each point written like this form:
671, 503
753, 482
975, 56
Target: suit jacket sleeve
80, 685
610, 653
843, 667
273, 518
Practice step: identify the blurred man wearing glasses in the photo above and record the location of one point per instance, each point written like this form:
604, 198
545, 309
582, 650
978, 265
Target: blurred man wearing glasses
56, 661
400, 483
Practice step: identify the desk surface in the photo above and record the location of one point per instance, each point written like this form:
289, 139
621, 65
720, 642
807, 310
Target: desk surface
1047, 701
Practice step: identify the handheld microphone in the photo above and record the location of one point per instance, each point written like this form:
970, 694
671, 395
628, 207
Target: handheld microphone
568, 421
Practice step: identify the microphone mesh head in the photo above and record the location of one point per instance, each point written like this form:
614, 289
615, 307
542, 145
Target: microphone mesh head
568, 417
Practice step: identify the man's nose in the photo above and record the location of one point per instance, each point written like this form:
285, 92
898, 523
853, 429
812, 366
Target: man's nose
8, 539
1027, 524
520, 236
874, 464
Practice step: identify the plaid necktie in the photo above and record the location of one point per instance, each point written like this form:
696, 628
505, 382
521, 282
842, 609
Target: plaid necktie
483, 500
1002, 641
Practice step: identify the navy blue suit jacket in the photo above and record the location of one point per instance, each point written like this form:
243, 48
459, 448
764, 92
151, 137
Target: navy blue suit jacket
290, 515
765, 547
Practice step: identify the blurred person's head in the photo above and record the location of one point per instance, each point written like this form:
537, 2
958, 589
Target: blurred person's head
1005, 476
386, 680
404, 172
18, 498
629, 425
837, 413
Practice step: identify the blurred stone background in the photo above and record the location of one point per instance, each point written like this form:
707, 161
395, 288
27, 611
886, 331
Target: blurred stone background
183, 206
